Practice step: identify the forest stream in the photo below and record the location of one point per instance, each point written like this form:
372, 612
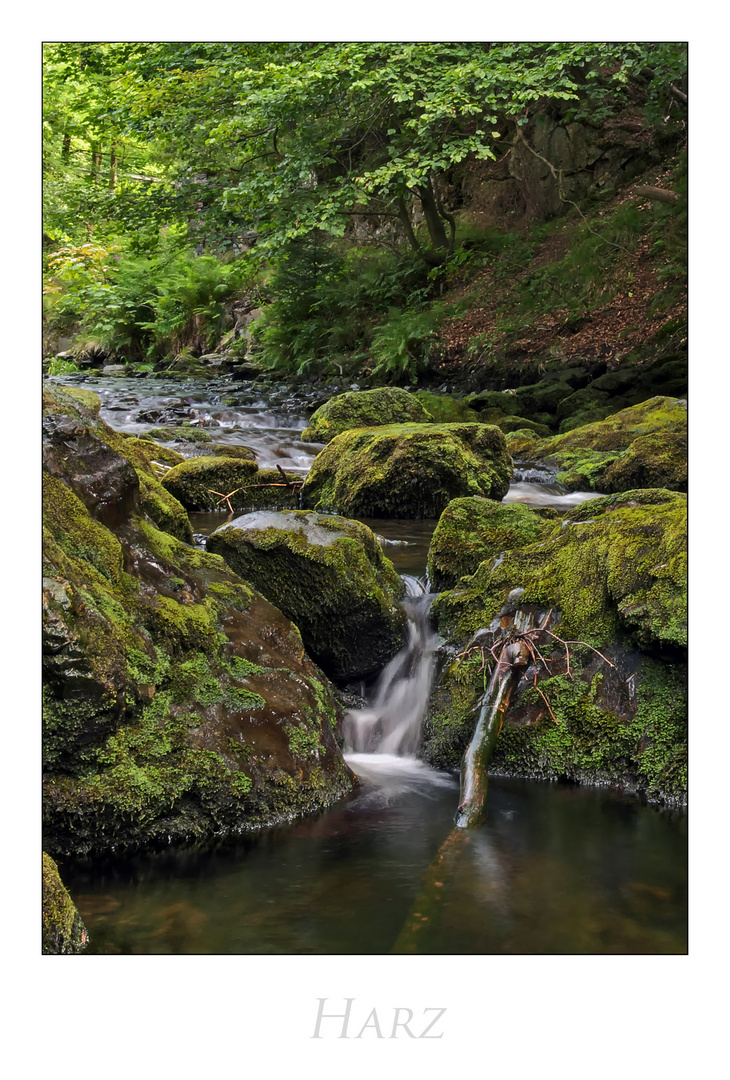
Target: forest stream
555, 868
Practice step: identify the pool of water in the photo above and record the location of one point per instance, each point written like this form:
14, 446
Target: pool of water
555, 869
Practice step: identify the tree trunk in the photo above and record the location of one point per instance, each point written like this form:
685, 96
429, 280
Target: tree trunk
95, 161
66, 147
434, 221
113, 167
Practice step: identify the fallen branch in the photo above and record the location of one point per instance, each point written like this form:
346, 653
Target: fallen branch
656, 193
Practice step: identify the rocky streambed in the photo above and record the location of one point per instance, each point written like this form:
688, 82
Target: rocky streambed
192, 694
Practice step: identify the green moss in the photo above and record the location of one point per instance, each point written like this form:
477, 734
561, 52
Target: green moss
472, 530
641, 446
180, 434
408, 470
610, 566
87, 398
240, 698
364, 408
70, 525
63, 931
303, 741
329, 576
443, 409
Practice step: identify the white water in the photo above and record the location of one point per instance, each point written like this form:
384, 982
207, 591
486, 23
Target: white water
389, 727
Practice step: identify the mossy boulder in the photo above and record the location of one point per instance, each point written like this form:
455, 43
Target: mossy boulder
112, 475
445, 409
329, 576
200, 483
178, 702
474, 529
63, 931
181, 434
408, 470
643, 445
609, 578
364, 408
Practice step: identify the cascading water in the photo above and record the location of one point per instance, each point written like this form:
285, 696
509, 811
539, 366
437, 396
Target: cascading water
391, 722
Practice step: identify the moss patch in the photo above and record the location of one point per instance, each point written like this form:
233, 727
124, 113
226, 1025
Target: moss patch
408, 470
364, 408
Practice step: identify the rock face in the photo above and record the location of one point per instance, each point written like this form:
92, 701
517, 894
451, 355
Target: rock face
63, 931
329, 576
408, 470
642, 446
610, 575
364, 408
178, 702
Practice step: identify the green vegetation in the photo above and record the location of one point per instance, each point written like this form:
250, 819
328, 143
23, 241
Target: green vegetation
328, 187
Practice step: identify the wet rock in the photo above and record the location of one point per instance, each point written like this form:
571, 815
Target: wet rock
644, 444
178, 702
408, 470
63, 931
329, 576
182, 434
365, 408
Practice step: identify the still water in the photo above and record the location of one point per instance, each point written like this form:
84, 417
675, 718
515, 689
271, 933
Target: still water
555, 869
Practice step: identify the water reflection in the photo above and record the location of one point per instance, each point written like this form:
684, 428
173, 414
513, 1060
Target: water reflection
553, 870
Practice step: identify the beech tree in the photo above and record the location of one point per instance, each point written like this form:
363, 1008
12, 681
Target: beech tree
275, 140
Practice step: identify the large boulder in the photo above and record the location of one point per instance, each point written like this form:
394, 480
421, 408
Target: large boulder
474, 529
641, 446
63, 931
364, 408
178, 702
605, 697
408, 470
111, 474
329, 576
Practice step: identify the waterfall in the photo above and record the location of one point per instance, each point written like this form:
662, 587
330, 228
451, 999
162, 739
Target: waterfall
391, 721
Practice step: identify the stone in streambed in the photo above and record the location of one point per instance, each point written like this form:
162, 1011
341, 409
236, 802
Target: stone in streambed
408, 470
611, 574
472, 530
329, 576
364, 408
63, 931
196, 481
178, 703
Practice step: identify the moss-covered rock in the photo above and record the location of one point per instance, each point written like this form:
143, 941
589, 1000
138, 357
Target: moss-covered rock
610, 579
408, 470
445, 409
329, 576
200, 482
63, 931
473, 530
644, 445
182, 434
178, 702
364, 408
113, 475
